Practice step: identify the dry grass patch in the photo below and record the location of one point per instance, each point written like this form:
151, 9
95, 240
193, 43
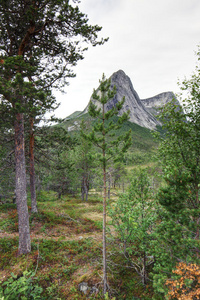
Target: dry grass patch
95, 216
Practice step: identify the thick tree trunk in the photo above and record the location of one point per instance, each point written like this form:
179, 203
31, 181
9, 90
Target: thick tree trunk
32, 169
20, 181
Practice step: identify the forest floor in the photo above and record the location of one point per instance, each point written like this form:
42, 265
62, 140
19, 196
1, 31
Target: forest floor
66, 241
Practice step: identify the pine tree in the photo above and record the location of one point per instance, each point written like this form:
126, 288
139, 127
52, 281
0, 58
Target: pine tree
40, 42
111, 146
54, 162
7, 164
34, 114
84, 157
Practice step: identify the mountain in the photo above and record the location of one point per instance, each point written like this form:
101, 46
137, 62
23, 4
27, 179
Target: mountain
152, 104
142, 112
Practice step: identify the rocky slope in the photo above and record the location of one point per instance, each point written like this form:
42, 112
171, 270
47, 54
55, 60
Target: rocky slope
152, 104
142, 112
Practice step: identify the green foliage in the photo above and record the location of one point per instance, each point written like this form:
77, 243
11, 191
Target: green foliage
104, 131
84, 158
117, 173
56, 164
173, 242
44, 196
174, 196
63, 257
49, 55
134, 217
39, 47
178, 230
20, 288
112, 147
7, 244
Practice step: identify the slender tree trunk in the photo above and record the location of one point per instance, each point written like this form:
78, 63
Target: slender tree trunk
86, 195
82, 193
144, 279
20, 181
86, 189
197, 205
104, 234
59, 195
104, 215
32, 169
82, 189
109, 183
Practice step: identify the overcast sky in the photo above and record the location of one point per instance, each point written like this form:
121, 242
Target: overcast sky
152, 41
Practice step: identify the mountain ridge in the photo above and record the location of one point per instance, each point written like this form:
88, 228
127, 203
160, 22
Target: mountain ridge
142, 111
153, 103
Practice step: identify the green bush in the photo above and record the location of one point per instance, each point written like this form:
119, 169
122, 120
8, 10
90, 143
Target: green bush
20, 288
43, 196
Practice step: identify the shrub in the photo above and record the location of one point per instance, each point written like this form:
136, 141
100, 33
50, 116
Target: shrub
185, 283
20, 288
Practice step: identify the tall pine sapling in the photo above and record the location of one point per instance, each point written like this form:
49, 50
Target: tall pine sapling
104, 136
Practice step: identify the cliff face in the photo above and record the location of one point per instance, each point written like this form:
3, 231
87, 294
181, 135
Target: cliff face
153, 103
141, 111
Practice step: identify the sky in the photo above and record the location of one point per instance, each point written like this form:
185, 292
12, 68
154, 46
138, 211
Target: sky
152, 41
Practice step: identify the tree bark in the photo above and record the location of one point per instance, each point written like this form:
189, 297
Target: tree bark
144, 279
104, 215
104, 234
20, 181
86, 189
109, 183
82, 190
32, 169
83, 187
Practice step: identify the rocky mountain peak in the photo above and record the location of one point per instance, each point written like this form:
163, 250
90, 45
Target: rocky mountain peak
142, 112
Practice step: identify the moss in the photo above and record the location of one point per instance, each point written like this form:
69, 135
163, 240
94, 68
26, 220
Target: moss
62, 263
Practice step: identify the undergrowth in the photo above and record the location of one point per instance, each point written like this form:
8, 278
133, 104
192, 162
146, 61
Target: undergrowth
66, 242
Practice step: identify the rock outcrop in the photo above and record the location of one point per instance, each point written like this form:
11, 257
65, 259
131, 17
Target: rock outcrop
152, 104
142, 112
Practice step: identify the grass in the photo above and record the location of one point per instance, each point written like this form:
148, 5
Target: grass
66, 238
66, 245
